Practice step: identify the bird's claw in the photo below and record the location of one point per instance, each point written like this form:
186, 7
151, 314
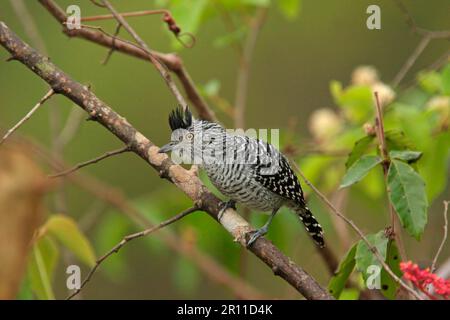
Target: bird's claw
224, 206
255, 235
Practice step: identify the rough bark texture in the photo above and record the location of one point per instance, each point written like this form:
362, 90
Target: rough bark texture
185, 180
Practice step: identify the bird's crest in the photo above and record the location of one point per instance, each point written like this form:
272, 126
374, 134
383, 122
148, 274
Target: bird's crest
180, 119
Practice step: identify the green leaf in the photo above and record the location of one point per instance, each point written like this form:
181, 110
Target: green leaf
397, 140
446, 80
336, 91
211, 88
434, 165
359, 170
431, 81
186, 276
357, 102
339, 279
113, 227
388, 285
188, 13
289, 8
405, 155
66, 231
230, 38
407, 195
358, 150
257, 3
43, 260
364, 256
349, 294
25, 291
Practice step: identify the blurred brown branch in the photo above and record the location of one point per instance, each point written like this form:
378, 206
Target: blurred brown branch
185, 180
426, 37
172, 61
444, 237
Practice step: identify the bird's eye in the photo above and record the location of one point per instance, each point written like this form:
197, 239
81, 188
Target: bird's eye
189, 136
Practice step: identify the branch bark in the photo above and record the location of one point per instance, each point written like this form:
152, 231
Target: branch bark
186, 180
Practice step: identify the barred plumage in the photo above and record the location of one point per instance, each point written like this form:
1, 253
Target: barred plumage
245, 169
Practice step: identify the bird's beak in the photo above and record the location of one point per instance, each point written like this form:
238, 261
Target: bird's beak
167, 147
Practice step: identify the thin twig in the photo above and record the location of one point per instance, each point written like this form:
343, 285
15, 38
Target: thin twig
28, 115
427, 36
127, 239
360, 234
111, 50
70, 128
424, 42
125, 14
158, 65
444, 238
95, 160
379, 127
240, 102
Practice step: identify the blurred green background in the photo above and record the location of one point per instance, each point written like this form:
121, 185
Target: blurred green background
294, 61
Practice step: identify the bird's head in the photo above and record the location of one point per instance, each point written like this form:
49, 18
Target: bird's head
190, 137
181, 123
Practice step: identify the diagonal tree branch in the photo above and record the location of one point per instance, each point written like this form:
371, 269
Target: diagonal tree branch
186, 181
172, 61
115, 198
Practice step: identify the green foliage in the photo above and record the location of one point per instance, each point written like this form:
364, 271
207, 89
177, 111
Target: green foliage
388, 285
430, 81
66, 231
231, 38
434, 165
359, 170
26, 291
360, 147
406, 155
338, 281
446, 80
112, 228
356, 101
407, 195
349, 294
364, 256
186, 276
41, 267
188, 13
290, 8
397, 140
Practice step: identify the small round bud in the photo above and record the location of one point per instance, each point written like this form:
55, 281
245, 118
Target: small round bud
439, 103
369, 129
385, 93
324, 124
365, 75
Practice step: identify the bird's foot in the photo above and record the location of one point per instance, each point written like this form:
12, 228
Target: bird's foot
224, 206
255, 234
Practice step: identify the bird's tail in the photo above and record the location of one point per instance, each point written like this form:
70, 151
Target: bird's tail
311, 224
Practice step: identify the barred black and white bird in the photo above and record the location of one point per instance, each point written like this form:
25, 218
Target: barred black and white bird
245, 169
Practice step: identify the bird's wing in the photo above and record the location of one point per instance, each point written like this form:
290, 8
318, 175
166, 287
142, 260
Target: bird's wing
273, 171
